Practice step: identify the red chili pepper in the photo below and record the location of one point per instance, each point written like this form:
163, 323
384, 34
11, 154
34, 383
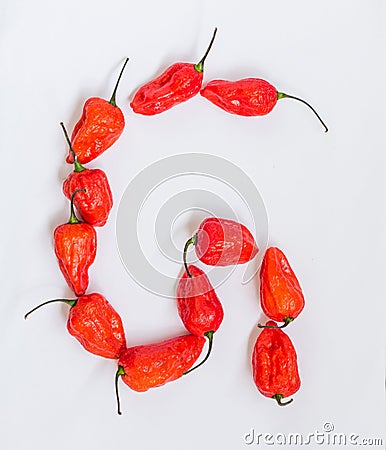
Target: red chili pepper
222, 242
101, 124
94, 200
148, 366
280, 293
198, 306
75, 248
247, 97
95, 324
178, 83
274, 364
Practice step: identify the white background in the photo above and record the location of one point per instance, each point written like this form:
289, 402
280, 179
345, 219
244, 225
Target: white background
324, 194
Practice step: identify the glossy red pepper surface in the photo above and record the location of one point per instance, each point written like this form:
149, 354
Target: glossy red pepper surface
148, 366
223, 242
280, 293
100, 125
274, 364
198, 305
178, 83
93, 205
97, 326
248, 97
75, 247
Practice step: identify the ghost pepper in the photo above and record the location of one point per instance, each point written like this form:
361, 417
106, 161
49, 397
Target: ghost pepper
100, 125
222, 242
198, 306
274, 364
75, 247
95, 324
248, 97
281, 296
148, 366
178, 83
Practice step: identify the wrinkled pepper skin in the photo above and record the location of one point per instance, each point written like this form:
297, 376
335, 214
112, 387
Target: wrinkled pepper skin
198, 305
281, 296
150, 366
99, 127
223, 242
97, 326
177, 84
75, 248
274, 364
247, 97
94, 323
94, 205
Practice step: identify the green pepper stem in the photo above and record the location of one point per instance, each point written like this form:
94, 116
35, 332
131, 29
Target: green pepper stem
63, 300
200, 65
77, 165
119, 372
278, 398
209, 335
286, 320
112, 99
282, 95
192, 240
73, 219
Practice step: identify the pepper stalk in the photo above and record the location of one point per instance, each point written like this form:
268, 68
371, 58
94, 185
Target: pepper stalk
63, 300
77, 165
209, 335
200, 65
192, 240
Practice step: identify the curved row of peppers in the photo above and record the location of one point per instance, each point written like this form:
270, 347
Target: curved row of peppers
93, 321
